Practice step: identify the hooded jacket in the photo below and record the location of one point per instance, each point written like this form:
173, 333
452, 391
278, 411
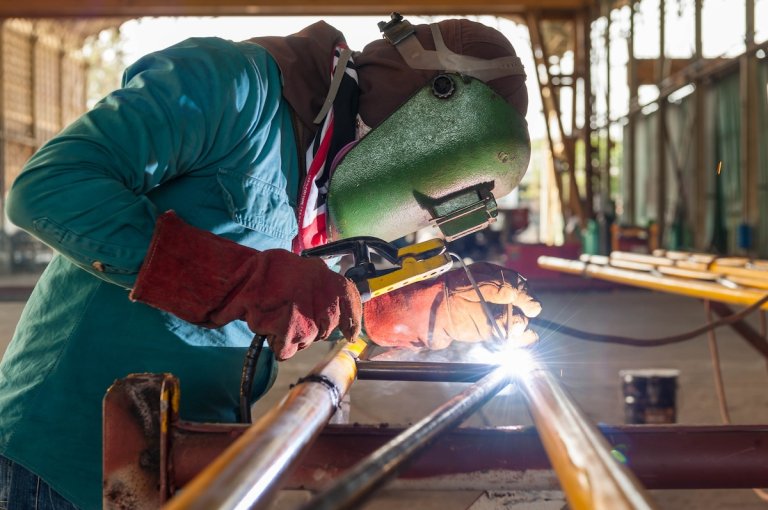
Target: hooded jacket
200, 128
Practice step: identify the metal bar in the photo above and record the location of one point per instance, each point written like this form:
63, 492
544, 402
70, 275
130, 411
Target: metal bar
700, 157
139, 413
421, 371
368, 476
504, 458
661, 132
586, 17
748, 102
681, 286
136, 8
630, 145
605, 179
590, 476
747, 332
532, 20
247, 474
561, 145
706, 70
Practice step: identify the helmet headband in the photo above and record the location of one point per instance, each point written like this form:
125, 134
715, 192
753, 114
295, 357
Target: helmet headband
401, 34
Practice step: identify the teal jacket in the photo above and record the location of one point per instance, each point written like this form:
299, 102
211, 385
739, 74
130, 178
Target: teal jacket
200, 128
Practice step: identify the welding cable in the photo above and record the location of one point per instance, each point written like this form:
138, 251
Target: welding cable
250, 363
649, 342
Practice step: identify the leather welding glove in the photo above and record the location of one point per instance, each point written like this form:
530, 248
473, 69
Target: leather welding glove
434, 313
210, 281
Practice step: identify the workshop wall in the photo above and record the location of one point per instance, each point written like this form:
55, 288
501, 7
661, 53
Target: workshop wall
723, 196
43, 87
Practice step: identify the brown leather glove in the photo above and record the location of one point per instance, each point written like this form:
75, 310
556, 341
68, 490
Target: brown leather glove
432, 314
211, 281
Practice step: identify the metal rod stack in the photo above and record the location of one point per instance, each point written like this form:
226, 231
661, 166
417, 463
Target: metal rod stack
728, 280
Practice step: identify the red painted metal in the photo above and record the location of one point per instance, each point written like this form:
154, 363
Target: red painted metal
662, 457
138, 455
139, 412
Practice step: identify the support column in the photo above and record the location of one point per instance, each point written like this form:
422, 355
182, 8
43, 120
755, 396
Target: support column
748, 139
630, 144
661, 132
700, 159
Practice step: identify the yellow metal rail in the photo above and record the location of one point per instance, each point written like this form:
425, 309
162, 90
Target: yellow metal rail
720, 288
590, 476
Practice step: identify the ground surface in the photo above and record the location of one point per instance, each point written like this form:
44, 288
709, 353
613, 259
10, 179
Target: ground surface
589, 371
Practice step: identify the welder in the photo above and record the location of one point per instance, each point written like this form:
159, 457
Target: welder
179, 204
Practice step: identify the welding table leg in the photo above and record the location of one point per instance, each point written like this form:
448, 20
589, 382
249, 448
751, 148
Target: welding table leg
747, 332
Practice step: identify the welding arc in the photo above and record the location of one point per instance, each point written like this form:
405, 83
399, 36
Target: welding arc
649, 342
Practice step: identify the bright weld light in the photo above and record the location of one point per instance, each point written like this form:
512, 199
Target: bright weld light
517, 360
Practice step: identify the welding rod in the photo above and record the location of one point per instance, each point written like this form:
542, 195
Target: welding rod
590, 476
249, 471
372, 473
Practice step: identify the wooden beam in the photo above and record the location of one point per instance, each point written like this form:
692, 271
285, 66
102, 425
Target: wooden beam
78, 8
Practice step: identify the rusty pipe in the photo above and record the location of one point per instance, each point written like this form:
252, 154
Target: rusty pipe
366, 477
580, 455
248, 472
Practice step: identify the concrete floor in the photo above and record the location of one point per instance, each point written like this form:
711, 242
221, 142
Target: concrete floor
589, 371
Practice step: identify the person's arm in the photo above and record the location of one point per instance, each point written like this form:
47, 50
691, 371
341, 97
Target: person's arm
84, 192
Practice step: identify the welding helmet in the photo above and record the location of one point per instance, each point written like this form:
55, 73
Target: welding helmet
455, 142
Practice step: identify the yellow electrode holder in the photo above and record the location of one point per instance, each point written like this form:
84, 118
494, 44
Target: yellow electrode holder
414, 267
406, 265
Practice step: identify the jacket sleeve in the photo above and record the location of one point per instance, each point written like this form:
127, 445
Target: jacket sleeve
180, 109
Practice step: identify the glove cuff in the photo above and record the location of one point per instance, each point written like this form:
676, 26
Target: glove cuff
189, 272
412, 317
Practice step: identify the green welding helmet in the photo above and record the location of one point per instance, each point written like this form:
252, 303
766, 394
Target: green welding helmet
438, 160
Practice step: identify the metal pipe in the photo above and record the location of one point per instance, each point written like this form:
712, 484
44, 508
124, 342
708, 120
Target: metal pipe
421, 371
743, 328
685, 287
363, 479
661, 456
589, 475
247, 474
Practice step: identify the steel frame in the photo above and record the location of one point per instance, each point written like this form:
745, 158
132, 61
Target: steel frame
150, 452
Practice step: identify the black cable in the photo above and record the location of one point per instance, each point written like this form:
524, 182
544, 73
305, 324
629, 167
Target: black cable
649, 342
250, 363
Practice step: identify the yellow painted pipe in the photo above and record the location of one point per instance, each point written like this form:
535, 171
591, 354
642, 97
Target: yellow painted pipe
721, 266
674, 285
591, 478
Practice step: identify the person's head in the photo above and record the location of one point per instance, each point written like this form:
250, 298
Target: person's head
446, 103
390, 73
